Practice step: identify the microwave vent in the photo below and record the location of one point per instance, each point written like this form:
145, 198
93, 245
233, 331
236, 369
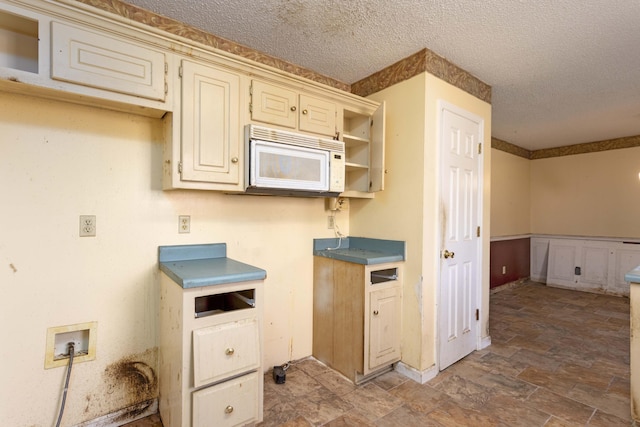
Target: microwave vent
291, 138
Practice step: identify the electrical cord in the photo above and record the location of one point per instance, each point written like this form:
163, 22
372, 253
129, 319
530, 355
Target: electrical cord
66, 383
337, 232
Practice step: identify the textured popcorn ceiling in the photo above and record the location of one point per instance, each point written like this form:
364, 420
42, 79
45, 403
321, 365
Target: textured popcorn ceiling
562, 71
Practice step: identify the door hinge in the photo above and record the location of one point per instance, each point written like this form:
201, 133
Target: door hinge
166, 67
180, 71
480, 148
477, 314
166, 88
478, 231
180, 167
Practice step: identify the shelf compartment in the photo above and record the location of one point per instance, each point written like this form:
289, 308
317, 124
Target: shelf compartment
210, 305
18, 42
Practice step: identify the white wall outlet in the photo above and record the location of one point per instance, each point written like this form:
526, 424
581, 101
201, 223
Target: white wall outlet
331, 222
504, 269
87, 225
184, 224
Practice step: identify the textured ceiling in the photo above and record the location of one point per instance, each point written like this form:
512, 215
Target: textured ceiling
562, 71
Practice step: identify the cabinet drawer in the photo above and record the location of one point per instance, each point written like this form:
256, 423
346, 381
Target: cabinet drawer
232, 403
95, 60
225, 350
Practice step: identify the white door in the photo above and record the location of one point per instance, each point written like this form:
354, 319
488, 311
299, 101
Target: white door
460, 278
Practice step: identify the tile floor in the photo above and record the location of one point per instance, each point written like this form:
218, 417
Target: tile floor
558, 358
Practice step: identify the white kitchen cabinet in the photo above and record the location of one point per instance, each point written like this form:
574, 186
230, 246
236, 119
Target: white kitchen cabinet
210, 366
205, 149
54, 51
281, 106
357, 316
363, 136
92, 58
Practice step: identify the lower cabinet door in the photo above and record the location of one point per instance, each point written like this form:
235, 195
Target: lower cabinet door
231, 403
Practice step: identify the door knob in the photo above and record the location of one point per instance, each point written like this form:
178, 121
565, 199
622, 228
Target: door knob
446, 254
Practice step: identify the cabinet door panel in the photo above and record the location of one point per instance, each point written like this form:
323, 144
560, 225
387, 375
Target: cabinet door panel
317, 115
232, 403
210, 125
225, 350
91, 59
384, 327
376, 168
273, 104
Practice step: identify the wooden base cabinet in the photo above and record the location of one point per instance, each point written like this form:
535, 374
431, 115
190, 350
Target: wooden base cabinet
211, 354
357, 316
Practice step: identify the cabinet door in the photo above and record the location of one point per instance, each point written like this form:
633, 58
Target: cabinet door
231, 403
384, 326
104, 62
225, 350
274, 104
317, 115
211, 132
376, 168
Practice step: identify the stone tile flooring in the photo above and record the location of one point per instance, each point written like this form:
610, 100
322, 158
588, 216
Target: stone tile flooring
558, 358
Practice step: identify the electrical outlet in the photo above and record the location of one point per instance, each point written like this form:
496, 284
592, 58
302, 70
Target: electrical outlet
331, 222
87, 225
504, 269
184, 224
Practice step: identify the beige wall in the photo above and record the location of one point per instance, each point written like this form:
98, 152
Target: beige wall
408, 209
58, 161
595, 194
397, 212
510, 194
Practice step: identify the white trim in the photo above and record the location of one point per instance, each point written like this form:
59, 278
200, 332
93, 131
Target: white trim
123, 416
418, 376
516, 237
604, 238
484, 342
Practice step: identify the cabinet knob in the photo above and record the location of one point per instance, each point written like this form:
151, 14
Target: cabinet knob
234, 160
228, 409
304, 111
375, 312
229, 351
293, 108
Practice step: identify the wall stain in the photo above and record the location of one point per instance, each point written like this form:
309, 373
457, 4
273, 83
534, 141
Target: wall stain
13, 267
129, 385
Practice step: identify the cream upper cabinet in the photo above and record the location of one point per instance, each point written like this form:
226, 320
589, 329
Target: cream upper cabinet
363, 136
206, 148
281, 106
103, 61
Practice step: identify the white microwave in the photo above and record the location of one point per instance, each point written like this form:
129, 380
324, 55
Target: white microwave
287, 163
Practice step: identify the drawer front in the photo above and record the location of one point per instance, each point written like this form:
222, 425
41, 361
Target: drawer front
225, 350
231, 403
91, 59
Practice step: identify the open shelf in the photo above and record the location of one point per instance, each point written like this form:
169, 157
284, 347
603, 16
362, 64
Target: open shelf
18, 42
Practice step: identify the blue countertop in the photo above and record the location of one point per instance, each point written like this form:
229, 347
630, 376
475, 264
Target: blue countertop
633, 276
192, 266
360, 250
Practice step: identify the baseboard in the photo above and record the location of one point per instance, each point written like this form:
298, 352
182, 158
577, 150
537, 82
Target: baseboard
485, 342
416, 375
124, 416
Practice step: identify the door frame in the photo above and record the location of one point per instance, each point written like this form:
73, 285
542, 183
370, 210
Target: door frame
443, 105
